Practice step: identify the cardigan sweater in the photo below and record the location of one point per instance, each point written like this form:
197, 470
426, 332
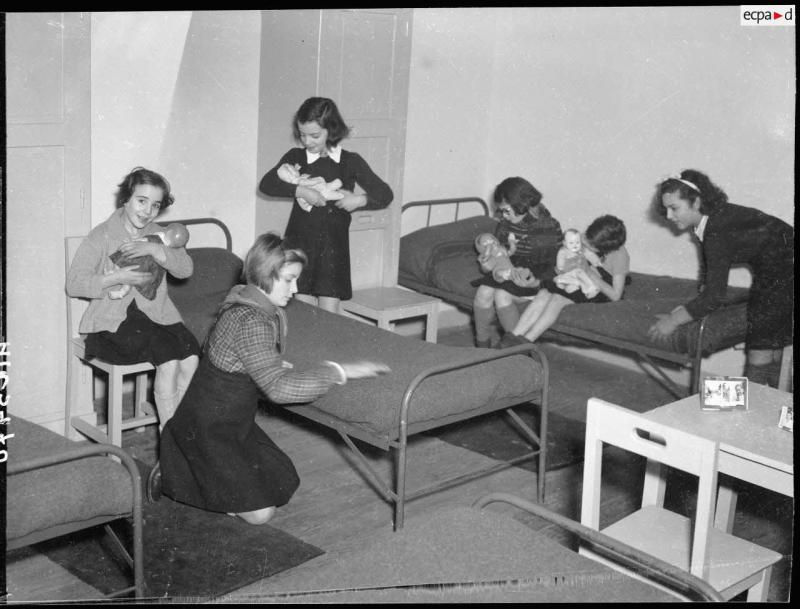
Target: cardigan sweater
92, 261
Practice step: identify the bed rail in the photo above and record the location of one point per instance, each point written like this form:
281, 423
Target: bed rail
430, 203
676, 579
222, 226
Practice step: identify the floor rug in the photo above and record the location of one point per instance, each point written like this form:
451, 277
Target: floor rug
189, 553
495, 436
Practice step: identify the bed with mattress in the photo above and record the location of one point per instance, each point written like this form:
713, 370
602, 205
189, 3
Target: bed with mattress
429, 385
439, 259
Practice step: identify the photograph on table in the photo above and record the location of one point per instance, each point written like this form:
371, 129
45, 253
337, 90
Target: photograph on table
724, 393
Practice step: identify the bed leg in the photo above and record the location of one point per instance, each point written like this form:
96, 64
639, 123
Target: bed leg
400, 494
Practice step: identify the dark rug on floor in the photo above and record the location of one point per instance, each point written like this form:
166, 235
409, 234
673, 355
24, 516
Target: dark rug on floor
189, 553
496, 436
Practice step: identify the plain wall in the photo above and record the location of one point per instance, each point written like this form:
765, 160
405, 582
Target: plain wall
177, 92
595, 106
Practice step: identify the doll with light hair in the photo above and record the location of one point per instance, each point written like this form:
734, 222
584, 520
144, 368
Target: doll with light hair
174, 235
572, 264
493, 257
329, 190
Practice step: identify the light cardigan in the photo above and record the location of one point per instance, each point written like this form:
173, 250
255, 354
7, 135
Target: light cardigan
91, 262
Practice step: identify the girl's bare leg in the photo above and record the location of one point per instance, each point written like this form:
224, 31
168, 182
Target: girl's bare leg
186, 370
165, 391
548, 317
532, 313
329, 303
763, 366
307, 298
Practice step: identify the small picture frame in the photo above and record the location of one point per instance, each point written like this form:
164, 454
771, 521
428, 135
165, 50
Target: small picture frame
787, 419
724, 393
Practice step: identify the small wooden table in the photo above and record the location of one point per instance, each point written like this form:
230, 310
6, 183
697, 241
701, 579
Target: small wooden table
386, 305
751, 445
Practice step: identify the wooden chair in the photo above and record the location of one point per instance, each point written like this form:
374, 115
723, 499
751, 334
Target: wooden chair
729, 564
111, 432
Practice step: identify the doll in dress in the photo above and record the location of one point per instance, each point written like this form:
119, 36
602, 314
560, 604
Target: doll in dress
493, 257
329, 190
174, 235
572, 264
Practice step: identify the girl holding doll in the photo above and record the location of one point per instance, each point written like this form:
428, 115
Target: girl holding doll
127, 327
318, 226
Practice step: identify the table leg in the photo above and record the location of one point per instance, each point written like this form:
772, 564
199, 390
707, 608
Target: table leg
432, 326
655, 484
726, 507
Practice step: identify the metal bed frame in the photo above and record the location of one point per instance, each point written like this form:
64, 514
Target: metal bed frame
692, 361
398, 441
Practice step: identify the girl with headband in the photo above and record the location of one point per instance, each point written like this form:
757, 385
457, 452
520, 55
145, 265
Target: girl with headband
733, 234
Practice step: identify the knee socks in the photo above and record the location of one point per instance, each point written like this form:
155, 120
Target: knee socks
166, 405
768, 374
508, 316
483, 321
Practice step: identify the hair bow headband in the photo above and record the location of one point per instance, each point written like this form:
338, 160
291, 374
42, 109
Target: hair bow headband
677, 176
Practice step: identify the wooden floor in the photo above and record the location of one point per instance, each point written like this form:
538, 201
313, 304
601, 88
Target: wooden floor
335, 503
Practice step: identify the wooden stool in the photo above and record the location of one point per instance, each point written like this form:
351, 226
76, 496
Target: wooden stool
386, 305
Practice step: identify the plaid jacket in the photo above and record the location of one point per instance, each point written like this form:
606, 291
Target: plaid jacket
248, 338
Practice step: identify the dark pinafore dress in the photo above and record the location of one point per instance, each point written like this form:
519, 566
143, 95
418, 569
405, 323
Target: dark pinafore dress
213, 454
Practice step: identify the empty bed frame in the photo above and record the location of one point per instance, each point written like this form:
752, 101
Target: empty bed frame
429, 386
439, 259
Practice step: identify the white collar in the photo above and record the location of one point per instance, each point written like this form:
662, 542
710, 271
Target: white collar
700, 229
334, 153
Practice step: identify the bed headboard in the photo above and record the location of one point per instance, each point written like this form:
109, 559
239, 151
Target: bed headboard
446, 210
219, 223
216, 271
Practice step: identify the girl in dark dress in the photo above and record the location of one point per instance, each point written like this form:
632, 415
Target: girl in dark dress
322, 231
536, 236
213, 453
732, 234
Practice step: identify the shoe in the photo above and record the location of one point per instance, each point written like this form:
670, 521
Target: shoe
511, 340
154, 483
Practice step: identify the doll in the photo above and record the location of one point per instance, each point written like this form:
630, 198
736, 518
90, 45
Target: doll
572, 262
330, 190
493, 257
175, 235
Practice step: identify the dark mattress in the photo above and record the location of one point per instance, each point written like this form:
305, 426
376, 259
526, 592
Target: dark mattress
374, 404
441, 260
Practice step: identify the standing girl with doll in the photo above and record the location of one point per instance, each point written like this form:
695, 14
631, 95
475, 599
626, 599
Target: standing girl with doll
534, 236
321, 227
133, 328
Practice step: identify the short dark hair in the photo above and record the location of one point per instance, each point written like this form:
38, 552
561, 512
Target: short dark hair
712, 197
606, 234
518, 193
266, 257
138, 176
324, 112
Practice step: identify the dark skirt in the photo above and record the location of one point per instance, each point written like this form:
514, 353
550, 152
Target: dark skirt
770, 313
324, 235
542, 271
140, 339
213, 454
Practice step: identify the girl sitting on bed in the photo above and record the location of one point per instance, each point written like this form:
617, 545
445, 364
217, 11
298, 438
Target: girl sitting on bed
213, 453
605, 237
527, 225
